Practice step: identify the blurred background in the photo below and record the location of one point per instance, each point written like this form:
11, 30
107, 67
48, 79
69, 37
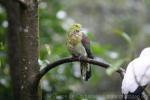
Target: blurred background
118, 30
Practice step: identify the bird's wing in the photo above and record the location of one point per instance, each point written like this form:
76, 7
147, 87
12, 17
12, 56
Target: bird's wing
137, 74
142, 70
86, 43
129, 83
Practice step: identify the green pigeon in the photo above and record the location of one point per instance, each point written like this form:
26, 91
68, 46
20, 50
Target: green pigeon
78, 45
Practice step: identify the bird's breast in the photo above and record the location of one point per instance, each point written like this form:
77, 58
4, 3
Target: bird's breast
75, 39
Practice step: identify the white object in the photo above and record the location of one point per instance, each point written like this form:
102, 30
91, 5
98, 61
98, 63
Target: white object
137, 73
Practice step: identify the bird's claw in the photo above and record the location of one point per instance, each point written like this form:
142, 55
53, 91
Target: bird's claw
81, 57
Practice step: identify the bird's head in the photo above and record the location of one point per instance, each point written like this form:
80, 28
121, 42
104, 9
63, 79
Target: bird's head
76, 27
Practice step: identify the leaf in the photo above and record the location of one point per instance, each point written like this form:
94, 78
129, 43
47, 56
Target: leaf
48, 49
124, 35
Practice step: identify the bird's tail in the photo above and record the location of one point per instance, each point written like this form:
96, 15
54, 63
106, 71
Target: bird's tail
85, 71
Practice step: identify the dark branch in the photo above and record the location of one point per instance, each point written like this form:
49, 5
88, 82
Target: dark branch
71, 59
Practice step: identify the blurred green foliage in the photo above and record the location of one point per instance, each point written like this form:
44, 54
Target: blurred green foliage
5, 82
53, 47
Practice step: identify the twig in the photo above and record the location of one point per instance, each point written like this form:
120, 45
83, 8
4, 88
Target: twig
71, 59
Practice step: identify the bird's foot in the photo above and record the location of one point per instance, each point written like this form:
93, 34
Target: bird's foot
81, 57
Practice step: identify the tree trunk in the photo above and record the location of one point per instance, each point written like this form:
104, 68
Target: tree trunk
29, 51
23, 47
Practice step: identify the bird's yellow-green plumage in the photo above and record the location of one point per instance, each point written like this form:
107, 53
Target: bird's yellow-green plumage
74, 34
78, 45
74, 38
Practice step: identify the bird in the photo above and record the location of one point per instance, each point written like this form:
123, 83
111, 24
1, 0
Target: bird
137, 76
78, 45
